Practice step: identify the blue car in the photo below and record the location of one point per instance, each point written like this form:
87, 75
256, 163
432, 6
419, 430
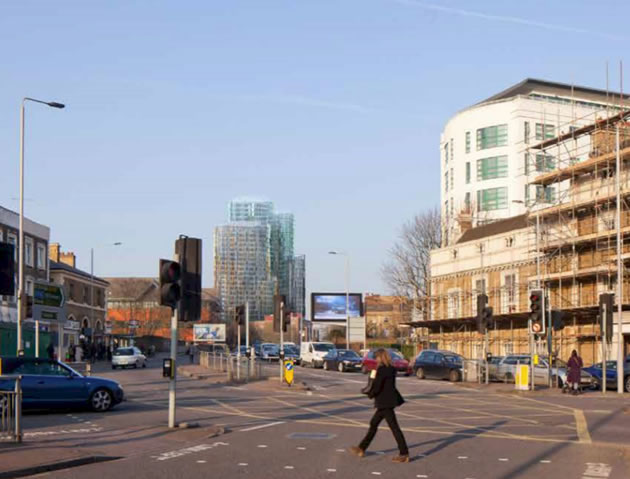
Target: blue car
611, 374
48, 384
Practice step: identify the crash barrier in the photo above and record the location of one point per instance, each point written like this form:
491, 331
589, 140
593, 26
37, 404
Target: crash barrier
235, 369
11, 411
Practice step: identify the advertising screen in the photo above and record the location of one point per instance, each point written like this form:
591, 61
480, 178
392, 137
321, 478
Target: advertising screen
209, 332
332, 306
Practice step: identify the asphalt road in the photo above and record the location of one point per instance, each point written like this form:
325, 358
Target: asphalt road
281, 432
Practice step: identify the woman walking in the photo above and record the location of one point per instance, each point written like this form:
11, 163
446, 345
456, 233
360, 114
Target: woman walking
386, 397
575, 365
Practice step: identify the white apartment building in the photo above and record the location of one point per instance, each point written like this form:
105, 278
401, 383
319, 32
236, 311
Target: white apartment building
484, 150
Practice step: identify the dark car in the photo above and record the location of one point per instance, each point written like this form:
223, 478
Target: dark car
611, 374
292, 352
400, 363
438, 365
342, 360
47, 384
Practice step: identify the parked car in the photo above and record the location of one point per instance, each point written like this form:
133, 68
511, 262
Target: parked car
130, 357
214, 348
401, 364
506, 371
292, 352
493, 365
312, 353
48, 384
611, 374
438, 365
242, 350
342, 360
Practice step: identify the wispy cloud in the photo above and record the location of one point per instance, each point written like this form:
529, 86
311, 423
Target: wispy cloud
508, 19
308, 102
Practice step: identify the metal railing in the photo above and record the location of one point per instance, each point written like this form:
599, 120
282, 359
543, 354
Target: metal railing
236, 370
11, 411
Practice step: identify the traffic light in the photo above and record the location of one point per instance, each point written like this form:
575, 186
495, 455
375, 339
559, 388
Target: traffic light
287, 319
188, 250
7, 269
606, 307
29, 307
239, 318
557, 320
484, 313
170, 291
536, 308
279, 305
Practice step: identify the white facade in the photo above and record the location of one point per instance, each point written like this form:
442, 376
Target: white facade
484, 150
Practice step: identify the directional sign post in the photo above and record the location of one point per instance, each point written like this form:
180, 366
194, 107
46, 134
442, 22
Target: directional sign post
48, 305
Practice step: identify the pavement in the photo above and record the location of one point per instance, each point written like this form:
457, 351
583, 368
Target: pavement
265, 429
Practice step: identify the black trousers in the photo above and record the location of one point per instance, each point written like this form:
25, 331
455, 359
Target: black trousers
390, 416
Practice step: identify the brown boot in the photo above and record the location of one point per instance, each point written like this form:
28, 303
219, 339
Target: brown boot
400, 458
357, 451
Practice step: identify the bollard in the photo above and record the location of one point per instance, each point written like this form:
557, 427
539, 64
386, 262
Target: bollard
18, 409
88, 369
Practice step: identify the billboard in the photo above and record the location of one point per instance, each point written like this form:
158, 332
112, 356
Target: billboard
332, 306
209, 333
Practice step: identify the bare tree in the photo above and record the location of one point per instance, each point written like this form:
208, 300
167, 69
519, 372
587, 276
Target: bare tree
408, 268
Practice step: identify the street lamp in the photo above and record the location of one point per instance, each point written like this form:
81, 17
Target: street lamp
340, 253
20, 315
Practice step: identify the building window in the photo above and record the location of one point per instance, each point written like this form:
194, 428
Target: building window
28, 252
452, 155
491, 137
493, 167
12, 239
526, 132
452, 179
549, 131
446, 181
467, 172
467, 202
480, 286
509, 284
492, 199
446, 154
509, 241
29, 286
71, 291
85, 294
41, 256
526, 198
526, 164
545, 163
545, 194
467, 142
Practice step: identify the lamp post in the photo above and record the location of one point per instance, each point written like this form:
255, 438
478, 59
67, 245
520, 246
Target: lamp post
21, 298
340, 253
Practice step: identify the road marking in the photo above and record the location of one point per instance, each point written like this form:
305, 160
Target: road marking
581, 426
422, 475
201, 462
331, 470
262, 426
316, 411
462, 457
596, 469
165, 456
289, 467
376, 473
503, 459
242, 464
545, 461
262, 445
341, 450
301, 448
62, 431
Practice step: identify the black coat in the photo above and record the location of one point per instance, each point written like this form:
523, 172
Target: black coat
383, 389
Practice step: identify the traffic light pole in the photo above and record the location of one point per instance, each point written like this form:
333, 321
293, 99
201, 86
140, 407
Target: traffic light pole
604, 345
281, 341
251, 356
172, 382
238, 352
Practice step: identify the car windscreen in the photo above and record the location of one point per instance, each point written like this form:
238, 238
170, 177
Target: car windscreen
349, 355
291, 349
395, 355
450, 358
124, 352
323, 347
270, 348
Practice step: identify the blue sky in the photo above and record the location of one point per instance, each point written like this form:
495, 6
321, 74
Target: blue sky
331, 108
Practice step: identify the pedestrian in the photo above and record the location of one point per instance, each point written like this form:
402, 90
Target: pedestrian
575, 365
191, 352
382, 389
50, 350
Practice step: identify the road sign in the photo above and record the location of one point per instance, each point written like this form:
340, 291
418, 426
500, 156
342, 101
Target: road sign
133, 323
48, 294
288, 372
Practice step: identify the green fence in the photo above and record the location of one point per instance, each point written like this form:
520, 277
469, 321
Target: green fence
8, 340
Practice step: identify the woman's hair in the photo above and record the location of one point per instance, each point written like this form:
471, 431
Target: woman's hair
574, 353
383, 357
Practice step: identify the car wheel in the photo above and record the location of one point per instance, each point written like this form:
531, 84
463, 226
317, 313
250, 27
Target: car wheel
325, 366
453, 376
341, 368
144, 364
420, 373
555, 380
101, 400
627, 383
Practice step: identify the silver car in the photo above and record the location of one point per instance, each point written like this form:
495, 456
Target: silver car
130, 357
506, 371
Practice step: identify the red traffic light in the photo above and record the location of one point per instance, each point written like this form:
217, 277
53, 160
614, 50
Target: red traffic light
170, 271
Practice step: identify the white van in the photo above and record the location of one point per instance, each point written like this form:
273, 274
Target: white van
312, 354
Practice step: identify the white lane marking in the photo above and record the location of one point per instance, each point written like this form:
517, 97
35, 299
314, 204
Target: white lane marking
341, 450
242, 464
331, 470
462, 457
376, 473
262, 446
503, 459
422, 475
597, 469
188, 450
289, 467
301, 448
201, 462
545, 461
62, 431
262, 426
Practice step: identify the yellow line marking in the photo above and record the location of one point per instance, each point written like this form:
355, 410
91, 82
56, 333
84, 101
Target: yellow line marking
582, 426
321, 413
